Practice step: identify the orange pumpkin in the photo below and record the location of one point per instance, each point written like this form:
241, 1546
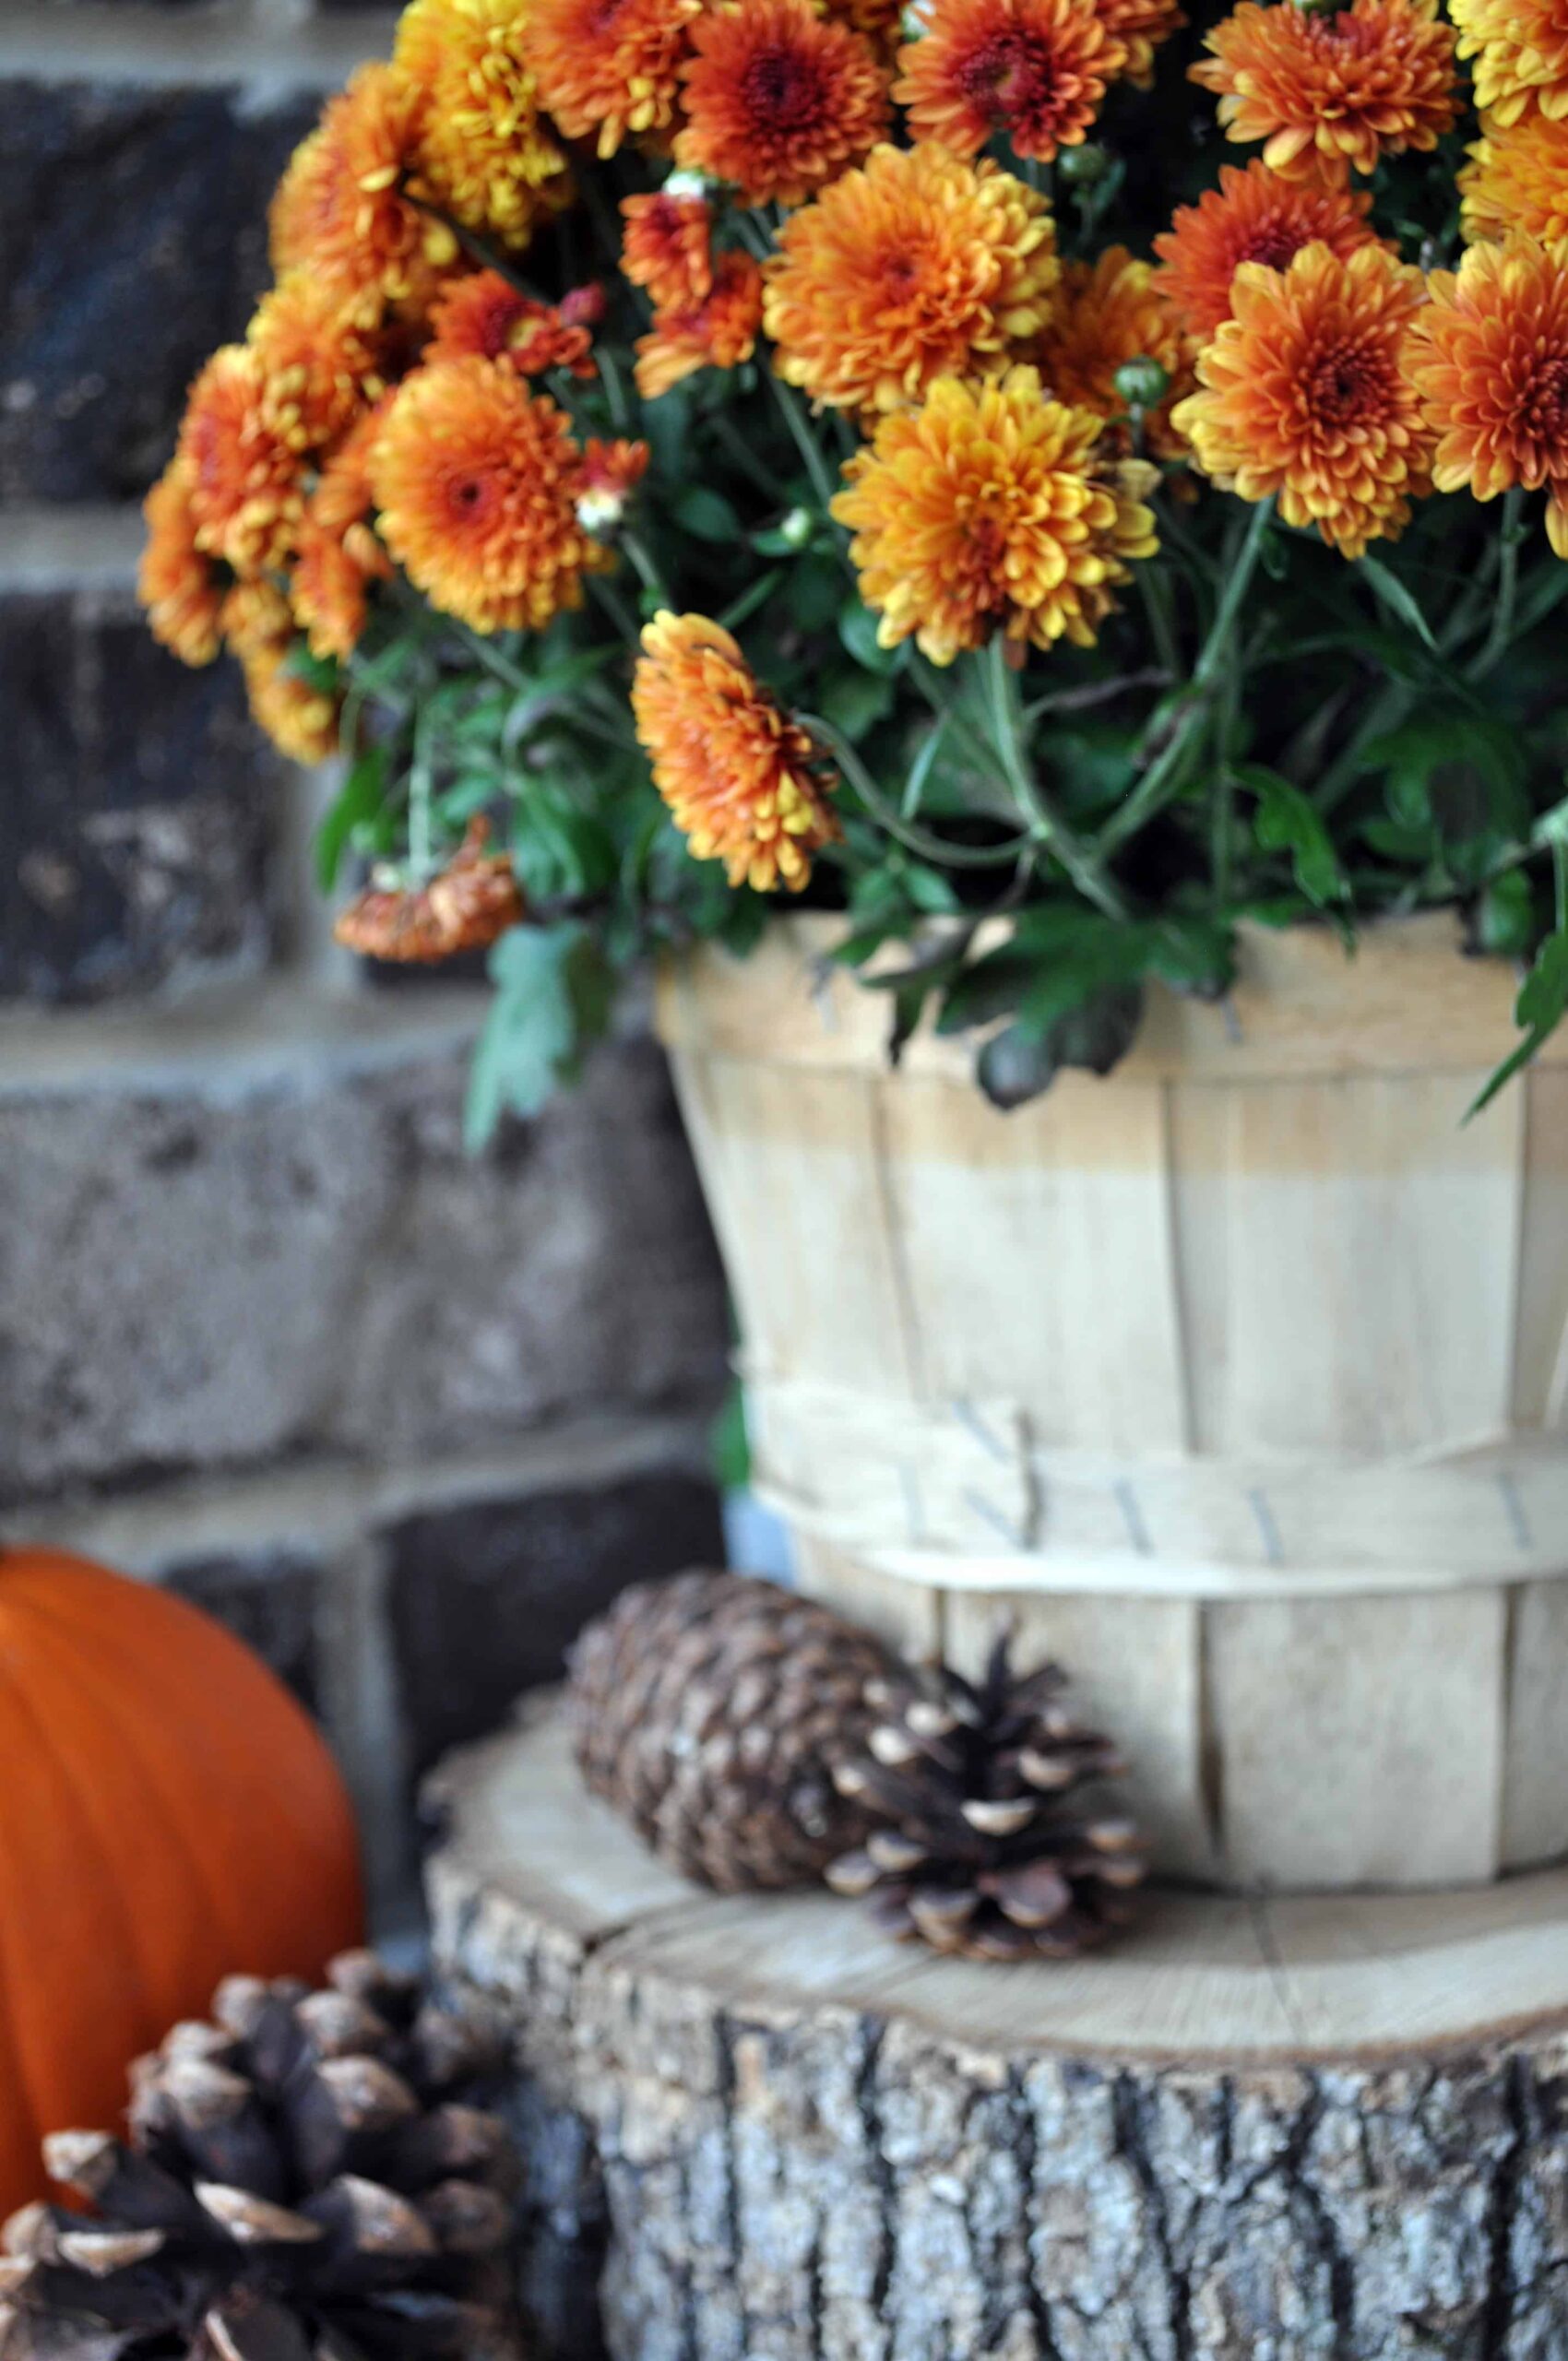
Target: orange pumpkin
168, 1814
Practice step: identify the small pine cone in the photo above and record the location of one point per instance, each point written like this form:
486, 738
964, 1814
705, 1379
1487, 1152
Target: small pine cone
985, 1845
307, 2179
710, 1712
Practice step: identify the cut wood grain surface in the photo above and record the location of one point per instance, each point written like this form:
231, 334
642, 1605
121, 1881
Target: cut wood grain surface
1314, 2129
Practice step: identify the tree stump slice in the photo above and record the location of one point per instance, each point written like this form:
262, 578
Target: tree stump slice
1305, 2130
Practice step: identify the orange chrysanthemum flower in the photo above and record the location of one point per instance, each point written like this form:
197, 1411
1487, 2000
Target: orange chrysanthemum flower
1108, 314
245, 479
320, 363
1490, 358
1521, 53
1140, 25
744, 782
607, 69
302, 722
878, 21
1253, 216
467, 905
477, 483
340, 212
484, 152
717, 330
920, 266
1306, 394
176, 581
993, 508
779, 100
1336, 92
666, 246
1517, 179
338, 555
485, 316
1036, 70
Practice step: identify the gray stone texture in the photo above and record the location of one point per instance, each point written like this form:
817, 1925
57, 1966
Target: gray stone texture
139, 809
229, 1271
484, 1600
131, 240
268, 1598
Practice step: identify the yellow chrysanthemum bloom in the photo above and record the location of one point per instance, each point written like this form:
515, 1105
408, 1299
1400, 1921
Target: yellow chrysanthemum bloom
744, 783
339, 211
484, 151
246, 479
992, 508
320, 363
918, 265
1520, 48
302, 722
178, 582
1517, 179
1306, 394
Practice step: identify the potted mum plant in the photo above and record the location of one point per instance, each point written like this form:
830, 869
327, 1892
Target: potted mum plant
1019, 546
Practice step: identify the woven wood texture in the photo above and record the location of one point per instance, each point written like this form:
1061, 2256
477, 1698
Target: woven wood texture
1241, 1376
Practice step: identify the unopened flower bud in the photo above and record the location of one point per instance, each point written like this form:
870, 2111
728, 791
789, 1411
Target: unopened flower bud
687, 183
1084, 165
914, 21
582, 307
797, 528
600, 510
1143, 384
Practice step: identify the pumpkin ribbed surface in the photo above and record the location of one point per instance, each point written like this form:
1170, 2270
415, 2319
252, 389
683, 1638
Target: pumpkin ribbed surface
168, 1815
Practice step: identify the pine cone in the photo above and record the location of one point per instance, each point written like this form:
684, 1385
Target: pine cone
986, 1847
711, 1710
305, 2181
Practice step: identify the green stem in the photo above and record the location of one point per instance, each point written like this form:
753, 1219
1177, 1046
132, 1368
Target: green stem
1559, 882
1500, 637
1154, 589
805, 441
1045, 822
908, 833
647, 572
615, 389
616, 607
1152, 788
745, 458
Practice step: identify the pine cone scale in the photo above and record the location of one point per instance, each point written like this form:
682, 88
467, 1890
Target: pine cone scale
307, 2181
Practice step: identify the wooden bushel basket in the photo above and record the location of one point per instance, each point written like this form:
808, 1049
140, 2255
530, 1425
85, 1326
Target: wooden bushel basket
1240, 1377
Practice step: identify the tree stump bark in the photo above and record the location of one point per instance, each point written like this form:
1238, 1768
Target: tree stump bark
1315, 2130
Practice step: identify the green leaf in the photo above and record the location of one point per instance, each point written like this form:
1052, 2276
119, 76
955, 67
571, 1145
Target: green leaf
553, 998
1504, 920
1021, 1061
357, 803
730, 1450
707, 514
1397, 599
855, 702
858, 629
812, 593
1288, 821
1540, 1009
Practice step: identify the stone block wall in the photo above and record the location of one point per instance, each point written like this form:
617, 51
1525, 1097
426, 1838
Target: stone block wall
267, 1334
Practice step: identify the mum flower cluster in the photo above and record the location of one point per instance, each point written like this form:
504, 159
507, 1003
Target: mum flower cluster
699, 450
